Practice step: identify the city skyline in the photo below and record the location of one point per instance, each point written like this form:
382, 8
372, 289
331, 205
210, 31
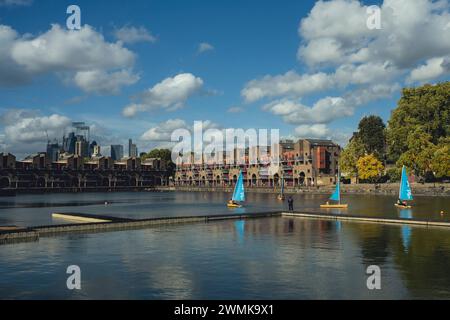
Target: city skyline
310, 69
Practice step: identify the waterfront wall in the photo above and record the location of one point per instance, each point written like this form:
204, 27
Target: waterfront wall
14, 181
428, 189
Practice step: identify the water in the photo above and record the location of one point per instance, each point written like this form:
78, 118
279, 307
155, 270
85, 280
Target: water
270, 258
32, 210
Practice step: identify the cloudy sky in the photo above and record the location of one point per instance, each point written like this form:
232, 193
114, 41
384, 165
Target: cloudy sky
141, 70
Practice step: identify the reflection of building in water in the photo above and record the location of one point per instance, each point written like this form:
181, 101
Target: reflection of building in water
307, 162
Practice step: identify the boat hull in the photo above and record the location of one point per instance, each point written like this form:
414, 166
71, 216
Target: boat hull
401, 206
234, 205
334, 206
280, 197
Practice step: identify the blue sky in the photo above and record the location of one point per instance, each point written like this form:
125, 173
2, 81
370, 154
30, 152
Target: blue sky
324, 68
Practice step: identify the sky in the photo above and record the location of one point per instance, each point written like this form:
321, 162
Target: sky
145, 68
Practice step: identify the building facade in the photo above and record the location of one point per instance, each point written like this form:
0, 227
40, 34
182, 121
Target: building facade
307, 162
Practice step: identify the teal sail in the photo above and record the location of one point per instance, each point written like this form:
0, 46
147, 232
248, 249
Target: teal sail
239, 194
336, 196
405, 189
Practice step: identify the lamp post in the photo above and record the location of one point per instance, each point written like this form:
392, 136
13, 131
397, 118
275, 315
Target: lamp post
434, 179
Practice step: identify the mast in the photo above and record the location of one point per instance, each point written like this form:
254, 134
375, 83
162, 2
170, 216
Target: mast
339, 184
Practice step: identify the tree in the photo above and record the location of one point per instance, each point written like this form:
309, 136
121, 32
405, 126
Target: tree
440, 162
349, 157
371, 132
369, 168
419, 154
394, 174
428, 107
164, 154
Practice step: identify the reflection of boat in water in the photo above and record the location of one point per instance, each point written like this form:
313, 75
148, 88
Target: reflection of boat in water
405, 193
281, 195
240, 230
336, 196
238, 194
406, 229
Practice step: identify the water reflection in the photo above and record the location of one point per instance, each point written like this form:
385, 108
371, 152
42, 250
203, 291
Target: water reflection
406, 229
31, 210
283, 258
240, 230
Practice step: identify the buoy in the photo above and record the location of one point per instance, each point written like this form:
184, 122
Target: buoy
106, 203
442, 213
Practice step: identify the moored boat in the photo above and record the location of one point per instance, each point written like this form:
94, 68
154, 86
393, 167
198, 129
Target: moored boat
238, 194
336, 196
405, 193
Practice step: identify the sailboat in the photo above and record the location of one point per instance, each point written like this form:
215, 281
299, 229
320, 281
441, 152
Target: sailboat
281, 195
405, 193
336, 196
238, 194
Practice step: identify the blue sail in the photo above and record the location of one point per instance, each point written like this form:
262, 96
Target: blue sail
405, 189
336, 196
239, 194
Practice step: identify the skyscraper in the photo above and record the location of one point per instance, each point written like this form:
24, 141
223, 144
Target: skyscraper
132, 149
53, 151
82, 148
69, 143
116, 152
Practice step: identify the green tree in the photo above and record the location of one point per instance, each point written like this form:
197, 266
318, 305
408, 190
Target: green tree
427, 107
371, 133
419, 153
440, 162
394, 174
369, 168
164, 154
349, 157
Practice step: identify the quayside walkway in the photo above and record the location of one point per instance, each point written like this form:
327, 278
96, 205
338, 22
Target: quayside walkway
89, 223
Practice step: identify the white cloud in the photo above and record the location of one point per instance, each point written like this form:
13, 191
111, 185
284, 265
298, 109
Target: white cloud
292, 84
24, 126
163, 130
335, 32
62, 52
129, 34
170, 94
324, 110
204, 46
328, 109
102, 82
312, 131
235, 110
349, 65
432, 69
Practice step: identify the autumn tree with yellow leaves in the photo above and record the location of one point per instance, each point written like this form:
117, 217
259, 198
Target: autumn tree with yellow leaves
369, 168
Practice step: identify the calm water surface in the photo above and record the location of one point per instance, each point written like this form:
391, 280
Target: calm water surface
271, 258
32, 210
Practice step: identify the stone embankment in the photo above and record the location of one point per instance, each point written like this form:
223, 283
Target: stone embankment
427, 189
